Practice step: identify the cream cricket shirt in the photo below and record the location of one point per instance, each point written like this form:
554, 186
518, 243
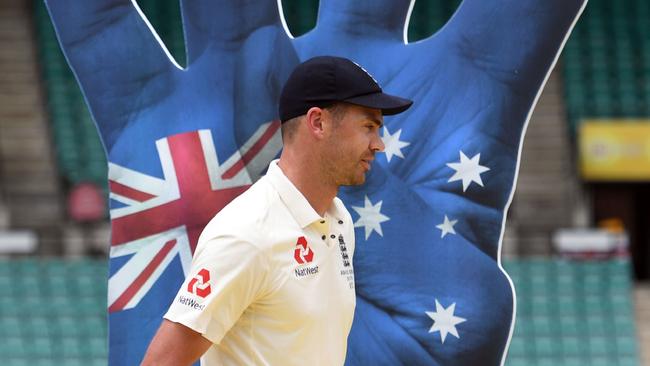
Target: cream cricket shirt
271, 281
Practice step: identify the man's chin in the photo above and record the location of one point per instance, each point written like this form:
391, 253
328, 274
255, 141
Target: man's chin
355, 181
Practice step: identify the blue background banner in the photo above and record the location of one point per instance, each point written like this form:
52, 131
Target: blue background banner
430, 287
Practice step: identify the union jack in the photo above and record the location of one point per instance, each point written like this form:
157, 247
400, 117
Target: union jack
147, 226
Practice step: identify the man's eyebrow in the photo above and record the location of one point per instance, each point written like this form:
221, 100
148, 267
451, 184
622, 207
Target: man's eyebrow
372, 118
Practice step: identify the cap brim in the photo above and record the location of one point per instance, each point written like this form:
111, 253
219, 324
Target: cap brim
389, 104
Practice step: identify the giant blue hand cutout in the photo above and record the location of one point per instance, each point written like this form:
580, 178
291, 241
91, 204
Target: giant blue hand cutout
430, 217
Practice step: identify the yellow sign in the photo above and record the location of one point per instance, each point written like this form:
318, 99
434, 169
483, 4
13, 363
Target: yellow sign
615, 149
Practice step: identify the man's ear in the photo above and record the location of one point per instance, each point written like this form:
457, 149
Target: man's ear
314, 119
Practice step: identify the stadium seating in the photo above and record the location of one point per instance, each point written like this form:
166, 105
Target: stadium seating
52, 312
80, 153
573, 313
606, 61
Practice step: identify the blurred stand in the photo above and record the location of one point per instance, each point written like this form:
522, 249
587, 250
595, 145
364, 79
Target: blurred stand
642, 305
592, 243
4, 214
83, 240
14, 241
29, 182
628, 203
548, 193
32, 209
89, 232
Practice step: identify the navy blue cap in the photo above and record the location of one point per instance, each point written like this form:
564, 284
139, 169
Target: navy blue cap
323, 80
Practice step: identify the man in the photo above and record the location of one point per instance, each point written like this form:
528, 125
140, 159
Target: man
272, 279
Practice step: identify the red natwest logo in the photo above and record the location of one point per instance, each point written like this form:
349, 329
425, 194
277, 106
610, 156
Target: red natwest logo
200, 285
303, 253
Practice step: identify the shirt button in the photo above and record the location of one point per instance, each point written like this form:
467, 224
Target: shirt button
322, 221
333, 236
341, 222
323, 237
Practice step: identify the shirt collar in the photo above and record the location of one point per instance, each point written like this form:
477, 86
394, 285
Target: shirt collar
300, 209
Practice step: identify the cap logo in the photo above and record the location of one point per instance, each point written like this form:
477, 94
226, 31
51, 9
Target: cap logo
366, 71
200, 284
303, 253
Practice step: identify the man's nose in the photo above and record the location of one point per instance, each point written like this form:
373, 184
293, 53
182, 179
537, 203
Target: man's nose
377, 144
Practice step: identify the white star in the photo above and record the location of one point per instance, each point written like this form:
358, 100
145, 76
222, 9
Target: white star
444, 321
447, 227
370, 217
393, 145
468, 170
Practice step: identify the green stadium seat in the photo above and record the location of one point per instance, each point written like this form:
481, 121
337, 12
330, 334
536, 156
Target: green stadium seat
572, 361
6, 284
10, 325
16, 362
13, 347
517, 347
623, 324
37, 326
76, 362
96, 346
627, 361
572, 346
612, 41
41, 347
65, 101
626, 344
518, 361
545, 346
599, 346
600, 361
72, 348
98, 361
572, 321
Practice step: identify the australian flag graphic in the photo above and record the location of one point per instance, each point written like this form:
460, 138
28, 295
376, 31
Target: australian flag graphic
183, 142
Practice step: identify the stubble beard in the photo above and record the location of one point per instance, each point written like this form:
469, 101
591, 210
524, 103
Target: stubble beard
341, 170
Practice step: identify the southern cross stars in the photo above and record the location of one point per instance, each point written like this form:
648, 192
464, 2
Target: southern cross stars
468, 170
370, 217
444, 321
393, 145
447, 227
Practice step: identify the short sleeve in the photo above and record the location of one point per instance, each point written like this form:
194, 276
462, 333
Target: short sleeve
227, 275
